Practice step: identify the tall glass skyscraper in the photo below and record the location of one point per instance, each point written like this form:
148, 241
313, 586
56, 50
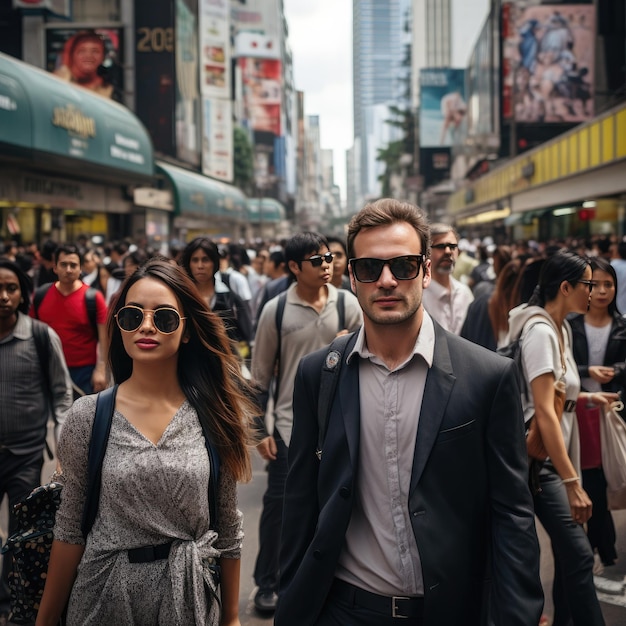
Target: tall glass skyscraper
378, 27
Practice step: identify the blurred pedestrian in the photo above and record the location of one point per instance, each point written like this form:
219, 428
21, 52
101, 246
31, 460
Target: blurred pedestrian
600, 353
34, 385
311, 319
561, 503
446, 299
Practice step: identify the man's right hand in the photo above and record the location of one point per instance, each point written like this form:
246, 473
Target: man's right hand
267, 448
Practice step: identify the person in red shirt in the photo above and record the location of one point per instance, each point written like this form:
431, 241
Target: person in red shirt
64, 308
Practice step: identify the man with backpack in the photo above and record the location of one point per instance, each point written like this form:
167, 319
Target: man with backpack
78, 315
34, 384
306, 317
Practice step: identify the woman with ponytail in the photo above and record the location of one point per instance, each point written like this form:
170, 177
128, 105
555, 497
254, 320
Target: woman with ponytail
561, 503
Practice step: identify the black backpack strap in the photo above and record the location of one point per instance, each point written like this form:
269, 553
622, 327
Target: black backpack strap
341, 309
105, 405
41, 337
40, 294
280, 312
328, 384
42, 345
90, 302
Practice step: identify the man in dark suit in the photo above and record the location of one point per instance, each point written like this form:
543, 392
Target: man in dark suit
419, 510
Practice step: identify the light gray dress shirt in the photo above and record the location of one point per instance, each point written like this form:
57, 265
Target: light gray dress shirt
23, 398
380, 553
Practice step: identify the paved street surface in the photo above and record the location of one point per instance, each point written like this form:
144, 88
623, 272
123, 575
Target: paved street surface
612, 581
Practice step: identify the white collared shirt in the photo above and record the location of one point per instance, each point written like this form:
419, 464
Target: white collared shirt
448, 306
380, 553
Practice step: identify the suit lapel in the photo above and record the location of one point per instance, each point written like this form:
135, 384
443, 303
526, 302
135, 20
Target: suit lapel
349, 402
439, 383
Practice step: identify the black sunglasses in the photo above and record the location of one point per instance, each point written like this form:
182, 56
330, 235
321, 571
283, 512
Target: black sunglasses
166, 321
443, 246
368, 270
589, 283
317, 259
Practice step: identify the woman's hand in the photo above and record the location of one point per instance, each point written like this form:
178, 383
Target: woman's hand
579, 502
601, 373
602, 398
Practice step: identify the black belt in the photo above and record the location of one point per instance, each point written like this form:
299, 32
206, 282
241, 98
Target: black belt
403, 607
147, 554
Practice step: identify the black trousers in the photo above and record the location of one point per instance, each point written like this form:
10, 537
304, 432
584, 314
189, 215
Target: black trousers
600, 527
19, 475
266, 571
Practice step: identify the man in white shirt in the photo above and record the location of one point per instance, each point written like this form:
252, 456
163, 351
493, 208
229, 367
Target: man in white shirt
447, 299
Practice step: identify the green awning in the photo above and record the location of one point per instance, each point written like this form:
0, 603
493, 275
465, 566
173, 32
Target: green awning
200, 196
51, 122
272, 210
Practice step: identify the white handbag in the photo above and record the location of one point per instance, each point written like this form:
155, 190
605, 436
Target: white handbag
613, 442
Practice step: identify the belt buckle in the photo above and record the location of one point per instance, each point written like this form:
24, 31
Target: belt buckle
395, 608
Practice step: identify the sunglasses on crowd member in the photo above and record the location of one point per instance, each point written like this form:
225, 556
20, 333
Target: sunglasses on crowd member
368, 270
317, 259
129, 318
443, 246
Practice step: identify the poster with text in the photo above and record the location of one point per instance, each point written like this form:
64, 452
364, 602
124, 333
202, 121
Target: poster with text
214, 29
443, 108
548, 62
217, 139
261, 79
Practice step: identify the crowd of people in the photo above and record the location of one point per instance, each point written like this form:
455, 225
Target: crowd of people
400, 489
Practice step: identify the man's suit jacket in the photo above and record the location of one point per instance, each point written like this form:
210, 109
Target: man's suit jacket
469, 502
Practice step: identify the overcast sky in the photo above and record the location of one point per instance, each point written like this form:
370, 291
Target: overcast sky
320, 36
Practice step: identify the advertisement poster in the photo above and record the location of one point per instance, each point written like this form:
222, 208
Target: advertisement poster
261, 80
443, 108
217, 139
214, 30
187, 92
548, 62
88, 57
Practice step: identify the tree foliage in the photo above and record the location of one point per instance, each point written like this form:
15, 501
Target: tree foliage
243, 160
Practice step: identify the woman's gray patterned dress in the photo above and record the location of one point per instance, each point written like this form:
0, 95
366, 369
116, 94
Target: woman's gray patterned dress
151, 494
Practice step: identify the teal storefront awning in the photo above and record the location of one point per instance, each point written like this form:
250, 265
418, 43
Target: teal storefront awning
272, 211
200, 196
53, 123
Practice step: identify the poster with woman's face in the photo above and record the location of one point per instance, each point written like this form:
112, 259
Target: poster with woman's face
88, 58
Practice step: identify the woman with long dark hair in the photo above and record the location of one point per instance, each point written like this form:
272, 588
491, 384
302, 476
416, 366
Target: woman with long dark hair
600, 352
201, 261
561, 503
178, 379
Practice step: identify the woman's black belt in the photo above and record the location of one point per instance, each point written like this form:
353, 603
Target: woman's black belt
147, 554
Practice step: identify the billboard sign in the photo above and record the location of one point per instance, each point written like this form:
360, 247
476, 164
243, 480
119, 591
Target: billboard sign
443, 108
217, 139
548, 62
154, 71
214, 30
261, 79
88, 57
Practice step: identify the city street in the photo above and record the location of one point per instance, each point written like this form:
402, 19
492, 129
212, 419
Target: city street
250, 497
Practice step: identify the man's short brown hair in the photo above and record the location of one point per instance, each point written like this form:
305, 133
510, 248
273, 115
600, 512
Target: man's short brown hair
385, 212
